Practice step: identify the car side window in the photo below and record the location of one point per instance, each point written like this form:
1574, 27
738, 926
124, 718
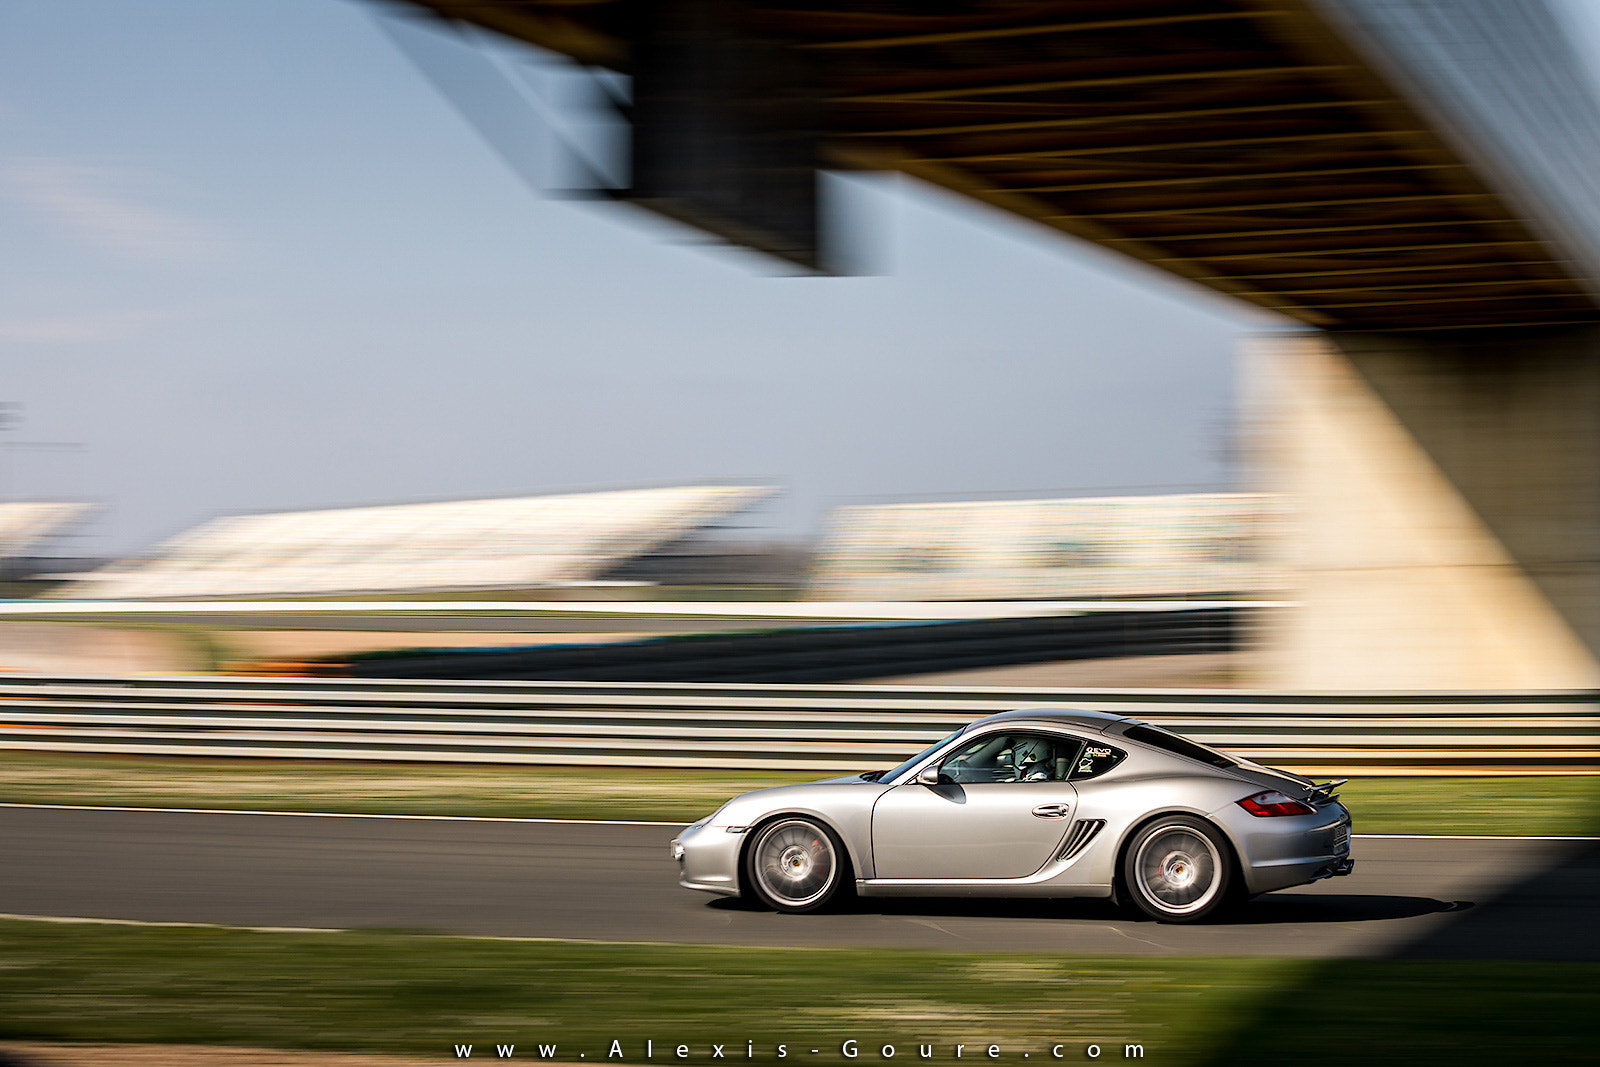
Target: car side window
1095, 760
1012, 757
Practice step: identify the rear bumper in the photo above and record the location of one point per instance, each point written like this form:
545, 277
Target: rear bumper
1291, 850
1266, 877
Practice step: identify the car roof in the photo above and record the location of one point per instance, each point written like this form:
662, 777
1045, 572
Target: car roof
1081, 718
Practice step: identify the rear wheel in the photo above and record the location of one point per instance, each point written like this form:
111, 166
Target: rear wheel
795, 864
1178, 869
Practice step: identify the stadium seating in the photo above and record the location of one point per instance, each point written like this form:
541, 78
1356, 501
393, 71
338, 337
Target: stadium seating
516, 542
1174, 545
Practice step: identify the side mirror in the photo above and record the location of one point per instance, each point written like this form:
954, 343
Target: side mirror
930, 776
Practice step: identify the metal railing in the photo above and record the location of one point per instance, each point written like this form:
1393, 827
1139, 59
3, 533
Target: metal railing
823, 654
816, 727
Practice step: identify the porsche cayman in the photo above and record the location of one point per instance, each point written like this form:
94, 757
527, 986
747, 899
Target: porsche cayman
1039, 803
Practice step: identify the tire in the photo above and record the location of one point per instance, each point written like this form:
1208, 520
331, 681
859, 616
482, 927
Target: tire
1178, 869
795, 864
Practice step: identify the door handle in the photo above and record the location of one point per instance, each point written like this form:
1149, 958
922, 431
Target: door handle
1050, 811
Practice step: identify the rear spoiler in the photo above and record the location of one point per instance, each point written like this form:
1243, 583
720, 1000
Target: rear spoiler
1328, 790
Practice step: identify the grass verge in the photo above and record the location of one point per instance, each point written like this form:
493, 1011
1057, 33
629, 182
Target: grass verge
1533, 805
415, 993
375, 788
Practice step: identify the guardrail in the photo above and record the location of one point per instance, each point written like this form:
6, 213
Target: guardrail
814, 655
830, 727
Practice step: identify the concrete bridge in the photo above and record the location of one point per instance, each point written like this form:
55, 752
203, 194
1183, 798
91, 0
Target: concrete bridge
1415, 181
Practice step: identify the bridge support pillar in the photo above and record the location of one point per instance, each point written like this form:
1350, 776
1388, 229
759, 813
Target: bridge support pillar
1447, 492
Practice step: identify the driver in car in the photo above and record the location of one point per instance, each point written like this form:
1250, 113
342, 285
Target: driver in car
1032, 760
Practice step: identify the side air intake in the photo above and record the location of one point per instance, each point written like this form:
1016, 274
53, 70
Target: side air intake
1083, 831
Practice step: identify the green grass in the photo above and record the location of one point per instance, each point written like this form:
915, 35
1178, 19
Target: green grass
1532, 805
1394, 1012
414, 993
1537, 805
375, 788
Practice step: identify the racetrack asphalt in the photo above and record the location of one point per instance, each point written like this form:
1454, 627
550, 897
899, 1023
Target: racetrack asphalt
1441, 897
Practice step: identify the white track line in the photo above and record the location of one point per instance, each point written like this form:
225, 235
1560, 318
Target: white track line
640, 822
86, 920
1468, 837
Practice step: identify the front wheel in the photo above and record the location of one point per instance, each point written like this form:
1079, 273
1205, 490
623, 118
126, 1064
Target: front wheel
795, 864
1178, 869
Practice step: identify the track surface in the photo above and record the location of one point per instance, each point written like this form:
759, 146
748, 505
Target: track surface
1500, 898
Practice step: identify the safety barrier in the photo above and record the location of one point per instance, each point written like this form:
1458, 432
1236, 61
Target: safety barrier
823, 727
835, 653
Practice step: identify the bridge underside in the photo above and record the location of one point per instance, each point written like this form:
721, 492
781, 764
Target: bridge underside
1239, 143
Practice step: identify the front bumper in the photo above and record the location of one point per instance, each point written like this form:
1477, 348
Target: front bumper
708, 858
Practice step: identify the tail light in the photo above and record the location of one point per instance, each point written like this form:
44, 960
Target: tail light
1273, 802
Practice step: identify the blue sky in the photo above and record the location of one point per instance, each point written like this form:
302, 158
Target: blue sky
253, 260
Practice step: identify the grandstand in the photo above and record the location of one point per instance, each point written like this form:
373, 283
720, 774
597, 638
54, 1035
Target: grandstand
506, 543
1136, 546
27, 526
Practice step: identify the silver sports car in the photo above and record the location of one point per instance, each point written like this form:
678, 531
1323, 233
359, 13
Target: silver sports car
1031, 803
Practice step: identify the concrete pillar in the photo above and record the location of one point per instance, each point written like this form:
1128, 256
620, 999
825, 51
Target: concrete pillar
1448, 507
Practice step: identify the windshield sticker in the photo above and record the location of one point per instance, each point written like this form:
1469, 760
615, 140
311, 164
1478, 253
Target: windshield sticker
1096, 751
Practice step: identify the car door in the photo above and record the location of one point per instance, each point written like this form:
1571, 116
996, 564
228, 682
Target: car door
1000, 810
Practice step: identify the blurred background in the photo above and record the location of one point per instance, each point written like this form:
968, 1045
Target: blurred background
284, 317
539, 409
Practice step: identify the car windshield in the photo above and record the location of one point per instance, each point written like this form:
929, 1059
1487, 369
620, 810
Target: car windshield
890, 775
